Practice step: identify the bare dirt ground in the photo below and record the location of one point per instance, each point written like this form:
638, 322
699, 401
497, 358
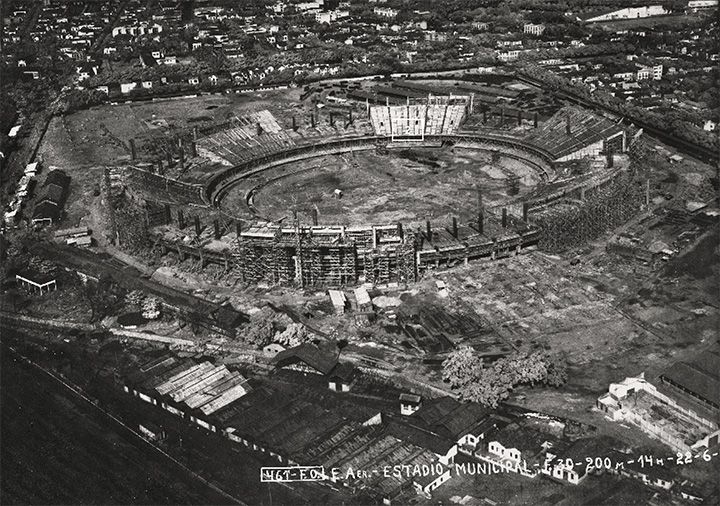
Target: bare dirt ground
408, 185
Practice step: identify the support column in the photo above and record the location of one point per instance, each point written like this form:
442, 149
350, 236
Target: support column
181, 220
428, 231
504, 217
454, 227
535, 120
197, 226
133, 152
216, 226
525, 208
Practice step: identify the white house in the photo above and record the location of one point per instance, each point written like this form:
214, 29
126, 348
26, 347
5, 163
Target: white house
409, 404
533, 29
386, 12
127, 87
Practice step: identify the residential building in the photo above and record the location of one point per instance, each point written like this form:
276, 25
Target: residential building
386, 12
330, 16
696, 5
533, 29
681, 425
409, 403
509, 55
48, 210
139, 29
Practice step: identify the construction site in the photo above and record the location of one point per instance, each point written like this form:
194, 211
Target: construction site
267, 259
376, 197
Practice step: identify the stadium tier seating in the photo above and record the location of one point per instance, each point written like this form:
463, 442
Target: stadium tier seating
586, 129
416, 120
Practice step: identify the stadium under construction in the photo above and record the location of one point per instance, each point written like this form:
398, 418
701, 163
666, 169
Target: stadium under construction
559, 209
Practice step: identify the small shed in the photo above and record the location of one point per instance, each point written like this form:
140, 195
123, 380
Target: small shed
338, 300
362, 298
151, 431
131, 320
341, 377
409, 403
273, 349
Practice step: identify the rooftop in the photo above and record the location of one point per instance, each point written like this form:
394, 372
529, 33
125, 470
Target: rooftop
309, 354
701, 376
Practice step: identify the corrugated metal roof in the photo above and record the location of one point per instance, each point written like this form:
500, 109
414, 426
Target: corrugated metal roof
182, 378
239, 389
199, 383
361, 296
337, 297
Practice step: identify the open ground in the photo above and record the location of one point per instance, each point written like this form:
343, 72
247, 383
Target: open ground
405, 185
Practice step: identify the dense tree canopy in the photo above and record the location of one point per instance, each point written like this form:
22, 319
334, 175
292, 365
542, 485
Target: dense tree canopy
489, 384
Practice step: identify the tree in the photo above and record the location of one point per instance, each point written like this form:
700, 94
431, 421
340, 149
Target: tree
294, 335
461, 367
261, 329
521, 368
556, 370
151, 308
488, 385
488, 388
101, 296
134, 297
259, 334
